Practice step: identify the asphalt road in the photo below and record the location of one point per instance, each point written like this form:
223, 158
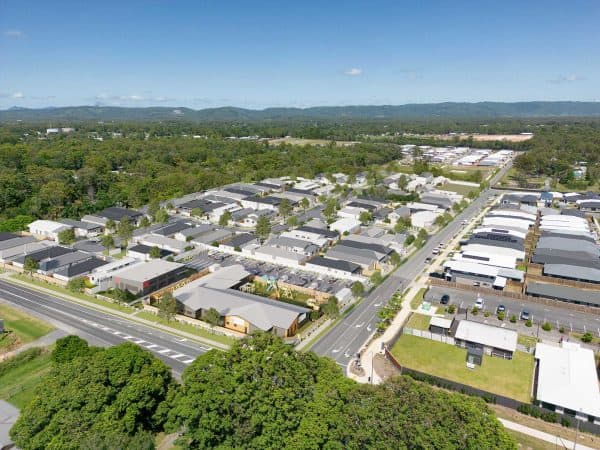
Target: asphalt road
103, 327
571, 320
345, 339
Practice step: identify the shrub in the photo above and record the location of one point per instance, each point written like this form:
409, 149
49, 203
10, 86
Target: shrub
451, 309
486, 314
475, 311
587, 337
513, 318
529, 323
546, 326
561, 329
501, 315
565, 422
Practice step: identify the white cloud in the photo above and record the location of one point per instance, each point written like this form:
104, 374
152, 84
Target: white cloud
567, 78
13, 34
17, 95
353, 72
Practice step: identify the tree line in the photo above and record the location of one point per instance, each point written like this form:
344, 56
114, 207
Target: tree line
261, 394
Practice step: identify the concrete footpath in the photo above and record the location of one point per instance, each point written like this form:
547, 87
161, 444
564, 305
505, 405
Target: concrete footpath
543, 436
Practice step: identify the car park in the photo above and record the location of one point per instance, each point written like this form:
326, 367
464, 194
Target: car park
479, 303
500, 308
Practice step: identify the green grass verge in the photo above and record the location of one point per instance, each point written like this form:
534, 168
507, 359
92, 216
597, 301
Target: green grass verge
17, 385
227, 340
78, 295
526, 442
419, 322
27, 328
418, 298
527, 341
511, 378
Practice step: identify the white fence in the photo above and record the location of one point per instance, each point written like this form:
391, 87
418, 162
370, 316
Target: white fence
429, 335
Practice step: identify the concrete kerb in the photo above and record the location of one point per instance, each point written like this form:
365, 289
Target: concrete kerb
127, 316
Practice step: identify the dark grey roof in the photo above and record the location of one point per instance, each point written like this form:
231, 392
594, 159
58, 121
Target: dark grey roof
89, 246
572, 212
549, 256
266, 200
237, 190
579, 273
50, 252
307, 192
490, 239
116, 214
241, 213
562, 234
7, 236
81, 268
327, 233
429, 199
359, 204
589, 204
16, 241
570, 245
338, 264
240, 239
145, 250
202, 204
365, 246
172, 228
566, 293
57, 262
269, 185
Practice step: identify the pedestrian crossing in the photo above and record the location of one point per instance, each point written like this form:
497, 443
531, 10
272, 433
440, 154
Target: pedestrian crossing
159, 349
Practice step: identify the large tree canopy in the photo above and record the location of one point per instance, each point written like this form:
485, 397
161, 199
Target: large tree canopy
106, 399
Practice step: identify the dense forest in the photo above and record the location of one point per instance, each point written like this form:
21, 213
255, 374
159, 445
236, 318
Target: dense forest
78, 173
261, 394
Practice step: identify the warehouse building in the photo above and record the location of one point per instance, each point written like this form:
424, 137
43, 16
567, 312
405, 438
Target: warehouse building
143, 279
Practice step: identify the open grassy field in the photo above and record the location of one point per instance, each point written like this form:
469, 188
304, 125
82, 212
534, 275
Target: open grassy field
419, 322
526, 442
511, 378
24, 328
17, 384
459, 188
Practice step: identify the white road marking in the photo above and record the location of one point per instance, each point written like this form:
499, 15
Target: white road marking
188, 361
166, 350
177, 355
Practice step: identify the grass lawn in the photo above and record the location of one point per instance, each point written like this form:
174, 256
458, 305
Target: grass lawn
527, 341
459, 188
25, 328
526, 442
64, 291
18, 384
419, 322
511, 378
227, 340
416, 301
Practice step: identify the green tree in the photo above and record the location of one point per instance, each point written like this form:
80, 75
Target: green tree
422, 234
145, 222
292, 221
167, 306
125, 230
66, 236
30, 265
162, 216
68, 348
212, 317
402, 224
365, 217
154, 252
112, 398
196, 212
225, 218
76, 284
110, 225
107, 241
402, 182
285, 208
376, 277
153, 208
331, 308
358, 289
304, 204
263, 228
395, 259
409, 239
330, 209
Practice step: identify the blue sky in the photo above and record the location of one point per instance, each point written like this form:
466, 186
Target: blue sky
296, 53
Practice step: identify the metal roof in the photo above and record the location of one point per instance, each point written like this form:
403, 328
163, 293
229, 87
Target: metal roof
149, 270
116, 213
567, 377
487, 335
338, 264
565, 293
580, 273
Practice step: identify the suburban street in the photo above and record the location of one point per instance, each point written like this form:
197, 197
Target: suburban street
571, 320
345, 339
105, 328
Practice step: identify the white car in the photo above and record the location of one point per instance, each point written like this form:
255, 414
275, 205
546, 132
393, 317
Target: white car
479, 303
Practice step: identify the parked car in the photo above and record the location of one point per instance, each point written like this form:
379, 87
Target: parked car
500, 308
445, 299
479, 303
525, 315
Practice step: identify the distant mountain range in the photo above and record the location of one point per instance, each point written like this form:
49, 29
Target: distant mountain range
232, 114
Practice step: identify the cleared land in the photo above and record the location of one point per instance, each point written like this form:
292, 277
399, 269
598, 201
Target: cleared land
20, 328
477, 137
300, 141
511, 378
458, 188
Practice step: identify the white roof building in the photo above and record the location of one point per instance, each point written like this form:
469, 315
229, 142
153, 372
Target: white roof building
495, 221
487, 258
350, 212
346, 225
487, 335
47, 228
487, 249
567, 378
423, 219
